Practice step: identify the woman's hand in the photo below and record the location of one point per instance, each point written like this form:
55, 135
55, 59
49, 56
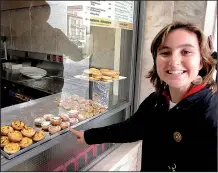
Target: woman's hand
79, 135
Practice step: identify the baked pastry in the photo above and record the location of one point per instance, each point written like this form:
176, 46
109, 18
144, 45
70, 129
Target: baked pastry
54, 129
110, 73
104, 70
81, 117
94, 71
64, 125
92, 78
38, 121
45, 125
39, 135
28, 131
89, 115
106, 78
73, 121
115, 77
25, 142
73, 113
12, 148
56, 121
97, 77
15, 136
4, 141
5, 129
48, 117
64, 117
18, 125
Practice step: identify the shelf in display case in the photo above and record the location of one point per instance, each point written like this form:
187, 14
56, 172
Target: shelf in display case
83, 77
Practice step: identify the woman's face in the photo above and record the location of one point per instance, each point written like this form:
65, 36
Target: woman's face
179, 60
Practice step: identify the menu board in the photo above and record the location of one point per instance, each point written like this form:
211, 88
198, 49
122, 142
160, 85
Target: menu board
115, 14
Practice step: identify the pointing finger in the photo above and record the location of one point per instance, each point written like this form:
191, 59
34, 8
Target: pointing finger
75, 132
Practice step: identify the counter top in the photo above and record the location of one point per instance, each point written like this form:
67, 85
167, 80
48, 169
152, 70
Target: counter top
16, 76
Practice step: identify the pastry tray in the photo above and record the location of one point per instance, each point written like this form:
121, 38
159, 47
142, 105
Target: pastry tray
83, 77
47, 138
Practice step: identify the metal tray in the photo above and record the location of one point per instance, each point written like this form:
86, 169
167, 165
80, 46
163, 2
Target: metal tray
47, 138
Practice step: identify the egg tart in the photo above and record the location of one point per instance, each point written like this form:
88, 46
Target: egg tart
4, 141
73, 121
28, 131
11, 148
6, 129
54, 129
64, 117
17, 125
25, 142
45, 125
15, 136
56, 121
48, 117
38, 121
64, 125
39, 135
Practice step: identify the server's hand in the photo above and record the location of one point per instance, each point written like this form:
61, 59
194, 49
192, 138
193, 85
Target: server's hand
79, 135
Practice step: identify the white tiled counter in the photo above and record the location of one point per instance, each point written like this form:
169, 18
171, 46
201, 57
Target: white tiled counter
127, 157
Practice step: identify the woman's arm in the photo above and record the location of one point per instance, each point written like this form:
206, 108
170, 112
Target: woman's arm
128, 131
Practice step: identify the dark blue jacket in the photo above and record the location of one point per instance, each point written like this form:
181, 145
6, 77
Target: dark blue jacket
193, 121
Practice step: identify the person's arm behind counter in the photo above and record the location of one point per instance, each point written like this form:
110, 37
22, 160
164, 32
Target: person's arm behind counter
130, 130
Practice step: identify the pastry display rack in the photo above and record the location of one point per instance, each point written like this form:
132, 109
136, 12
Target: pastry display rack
47, 138
37, 108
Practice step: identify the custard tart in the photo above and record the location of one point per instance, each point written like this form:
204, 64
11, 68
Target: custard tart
15, 136
11, 148
45, 125
4, 141
25, 142
54, 129
6, 129
39, 135
56, 121
28, 131
18, 125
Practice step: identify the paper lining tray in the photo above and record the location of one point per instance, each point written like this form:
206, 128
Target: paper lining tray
82, 77
47, 138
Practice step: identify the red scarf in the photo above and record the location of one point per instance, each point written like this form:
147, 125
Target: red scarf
193, 90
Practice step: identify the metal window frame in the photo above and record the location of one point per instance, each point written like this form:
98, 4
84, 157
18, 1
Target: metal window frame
128, 107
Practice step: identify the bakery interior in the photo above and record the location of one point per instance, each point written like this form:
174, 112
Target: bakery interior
58, 69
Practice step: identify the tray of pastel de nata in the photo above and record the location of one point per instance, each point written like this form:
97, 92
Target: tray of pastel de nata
78, 109
18, 137
100, 75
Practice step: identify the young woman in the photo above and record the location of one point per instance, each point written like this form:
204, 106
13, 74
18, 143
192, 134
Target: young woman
178, 122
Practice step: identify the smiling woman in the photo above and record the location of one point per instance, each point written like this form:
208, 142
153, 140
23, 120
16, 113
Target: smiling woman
178, 122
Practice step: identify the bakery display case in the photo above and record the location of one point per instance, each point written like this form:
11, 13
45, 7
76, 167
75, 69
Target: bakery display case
88, 50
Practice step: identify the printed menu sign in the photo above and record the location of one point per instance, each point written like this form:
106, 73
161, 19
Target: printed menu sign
115, 14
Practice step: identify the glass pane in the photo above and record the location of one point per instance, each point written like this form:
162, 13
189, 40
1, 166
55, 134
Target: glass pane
67, 39
66, 58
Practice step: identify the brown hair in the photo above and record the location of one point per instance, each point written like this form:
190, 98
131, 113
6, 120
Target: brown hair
207, 61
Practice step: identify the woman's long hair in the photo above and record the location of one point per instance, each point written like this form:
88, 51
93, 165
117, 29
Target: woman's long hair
207, 60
